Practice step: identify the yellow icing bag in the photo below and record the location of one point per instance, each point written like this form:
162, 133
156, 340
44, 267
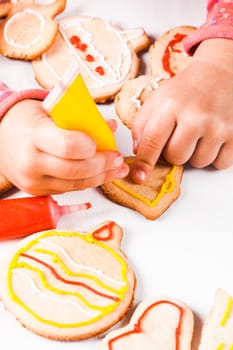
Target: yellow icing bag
72, 107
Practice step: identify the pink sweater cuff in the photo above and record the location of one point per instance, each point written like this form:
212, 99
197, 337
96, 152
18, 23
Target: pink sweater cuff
219, 24
9, 98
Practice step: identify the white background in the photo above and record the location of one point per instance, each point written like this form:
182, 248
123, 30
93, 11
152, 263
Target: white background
187, 252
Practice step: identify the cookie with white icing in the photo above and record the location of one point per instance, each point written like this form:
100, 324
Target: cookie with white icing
157, 323
68, 285
167, 58
153, 197
5, 184
106, 54
133, 94
29, 28
217, 330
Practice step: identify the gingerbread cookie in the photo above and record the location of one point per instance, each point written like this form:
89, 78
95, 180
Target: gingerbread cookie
167, 58
106, 54
157, 323
68, 285
29, 28
151, 198
217, 331
5, 184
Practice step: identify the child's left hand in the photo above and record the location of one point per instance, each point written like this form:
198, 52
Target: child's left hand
190, 117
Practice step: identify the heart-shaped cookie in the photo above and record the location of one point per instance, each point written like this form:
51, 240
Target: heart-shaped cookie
157, 323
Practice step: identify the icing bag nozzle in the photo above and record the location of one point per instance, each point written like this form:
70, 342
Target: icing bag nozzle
22, 216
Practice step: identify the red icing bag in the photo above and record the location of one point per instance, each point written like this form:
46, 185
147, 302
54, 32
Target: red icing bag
22, 216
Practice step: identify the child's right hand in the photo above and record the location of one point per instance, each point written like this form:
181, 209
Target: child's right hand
40, 158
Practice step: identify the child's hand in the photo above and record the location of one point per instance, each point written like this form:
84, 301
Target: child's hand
40, 158
190, 117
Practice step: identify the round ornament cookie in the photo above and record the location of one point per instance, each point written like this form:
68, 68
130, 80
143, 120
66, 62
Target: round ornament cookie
153, 197
68, 285
29, 28
107, 55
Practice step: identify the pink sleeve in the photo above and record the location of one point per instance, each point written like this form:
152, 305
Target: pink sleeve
219, 24
9, 98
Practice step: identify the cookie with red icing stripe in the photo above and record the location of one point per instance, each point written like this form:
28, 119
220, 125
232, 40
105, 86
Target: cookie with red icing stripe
29, 28
157, 323
167, 58
68, 285
167, 54
153, 197
106, 54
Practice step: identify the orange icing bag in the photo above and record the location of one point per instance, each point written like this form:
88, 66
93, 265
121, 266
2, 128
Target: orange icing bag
22, 216
72, 107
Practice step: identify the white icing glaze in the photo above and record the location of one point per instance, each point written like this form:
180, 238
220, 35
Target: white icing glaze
50, 67
81, 267
154, 84
113, 74
11, 41
60, 300
133, 33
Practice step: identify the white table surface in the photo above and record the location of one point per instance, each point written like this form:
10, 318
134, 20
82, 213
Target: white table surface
187, 252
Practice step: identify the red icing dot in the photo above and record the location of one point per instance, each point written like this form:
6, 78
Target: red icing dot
75, 39
90, 58
81, 46
100, 70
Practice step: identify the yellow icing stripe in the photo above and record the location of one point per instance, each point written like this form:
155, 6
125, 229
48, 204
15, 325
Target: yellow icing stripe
220, 347
167, 186
70, 273
89, 239
227, 312
231, 347
56, 290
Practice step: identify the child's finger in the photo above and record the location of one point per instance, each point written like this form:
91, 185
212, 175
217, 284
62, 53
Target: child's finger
224, 158
63, 143
70, 169
154, 137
